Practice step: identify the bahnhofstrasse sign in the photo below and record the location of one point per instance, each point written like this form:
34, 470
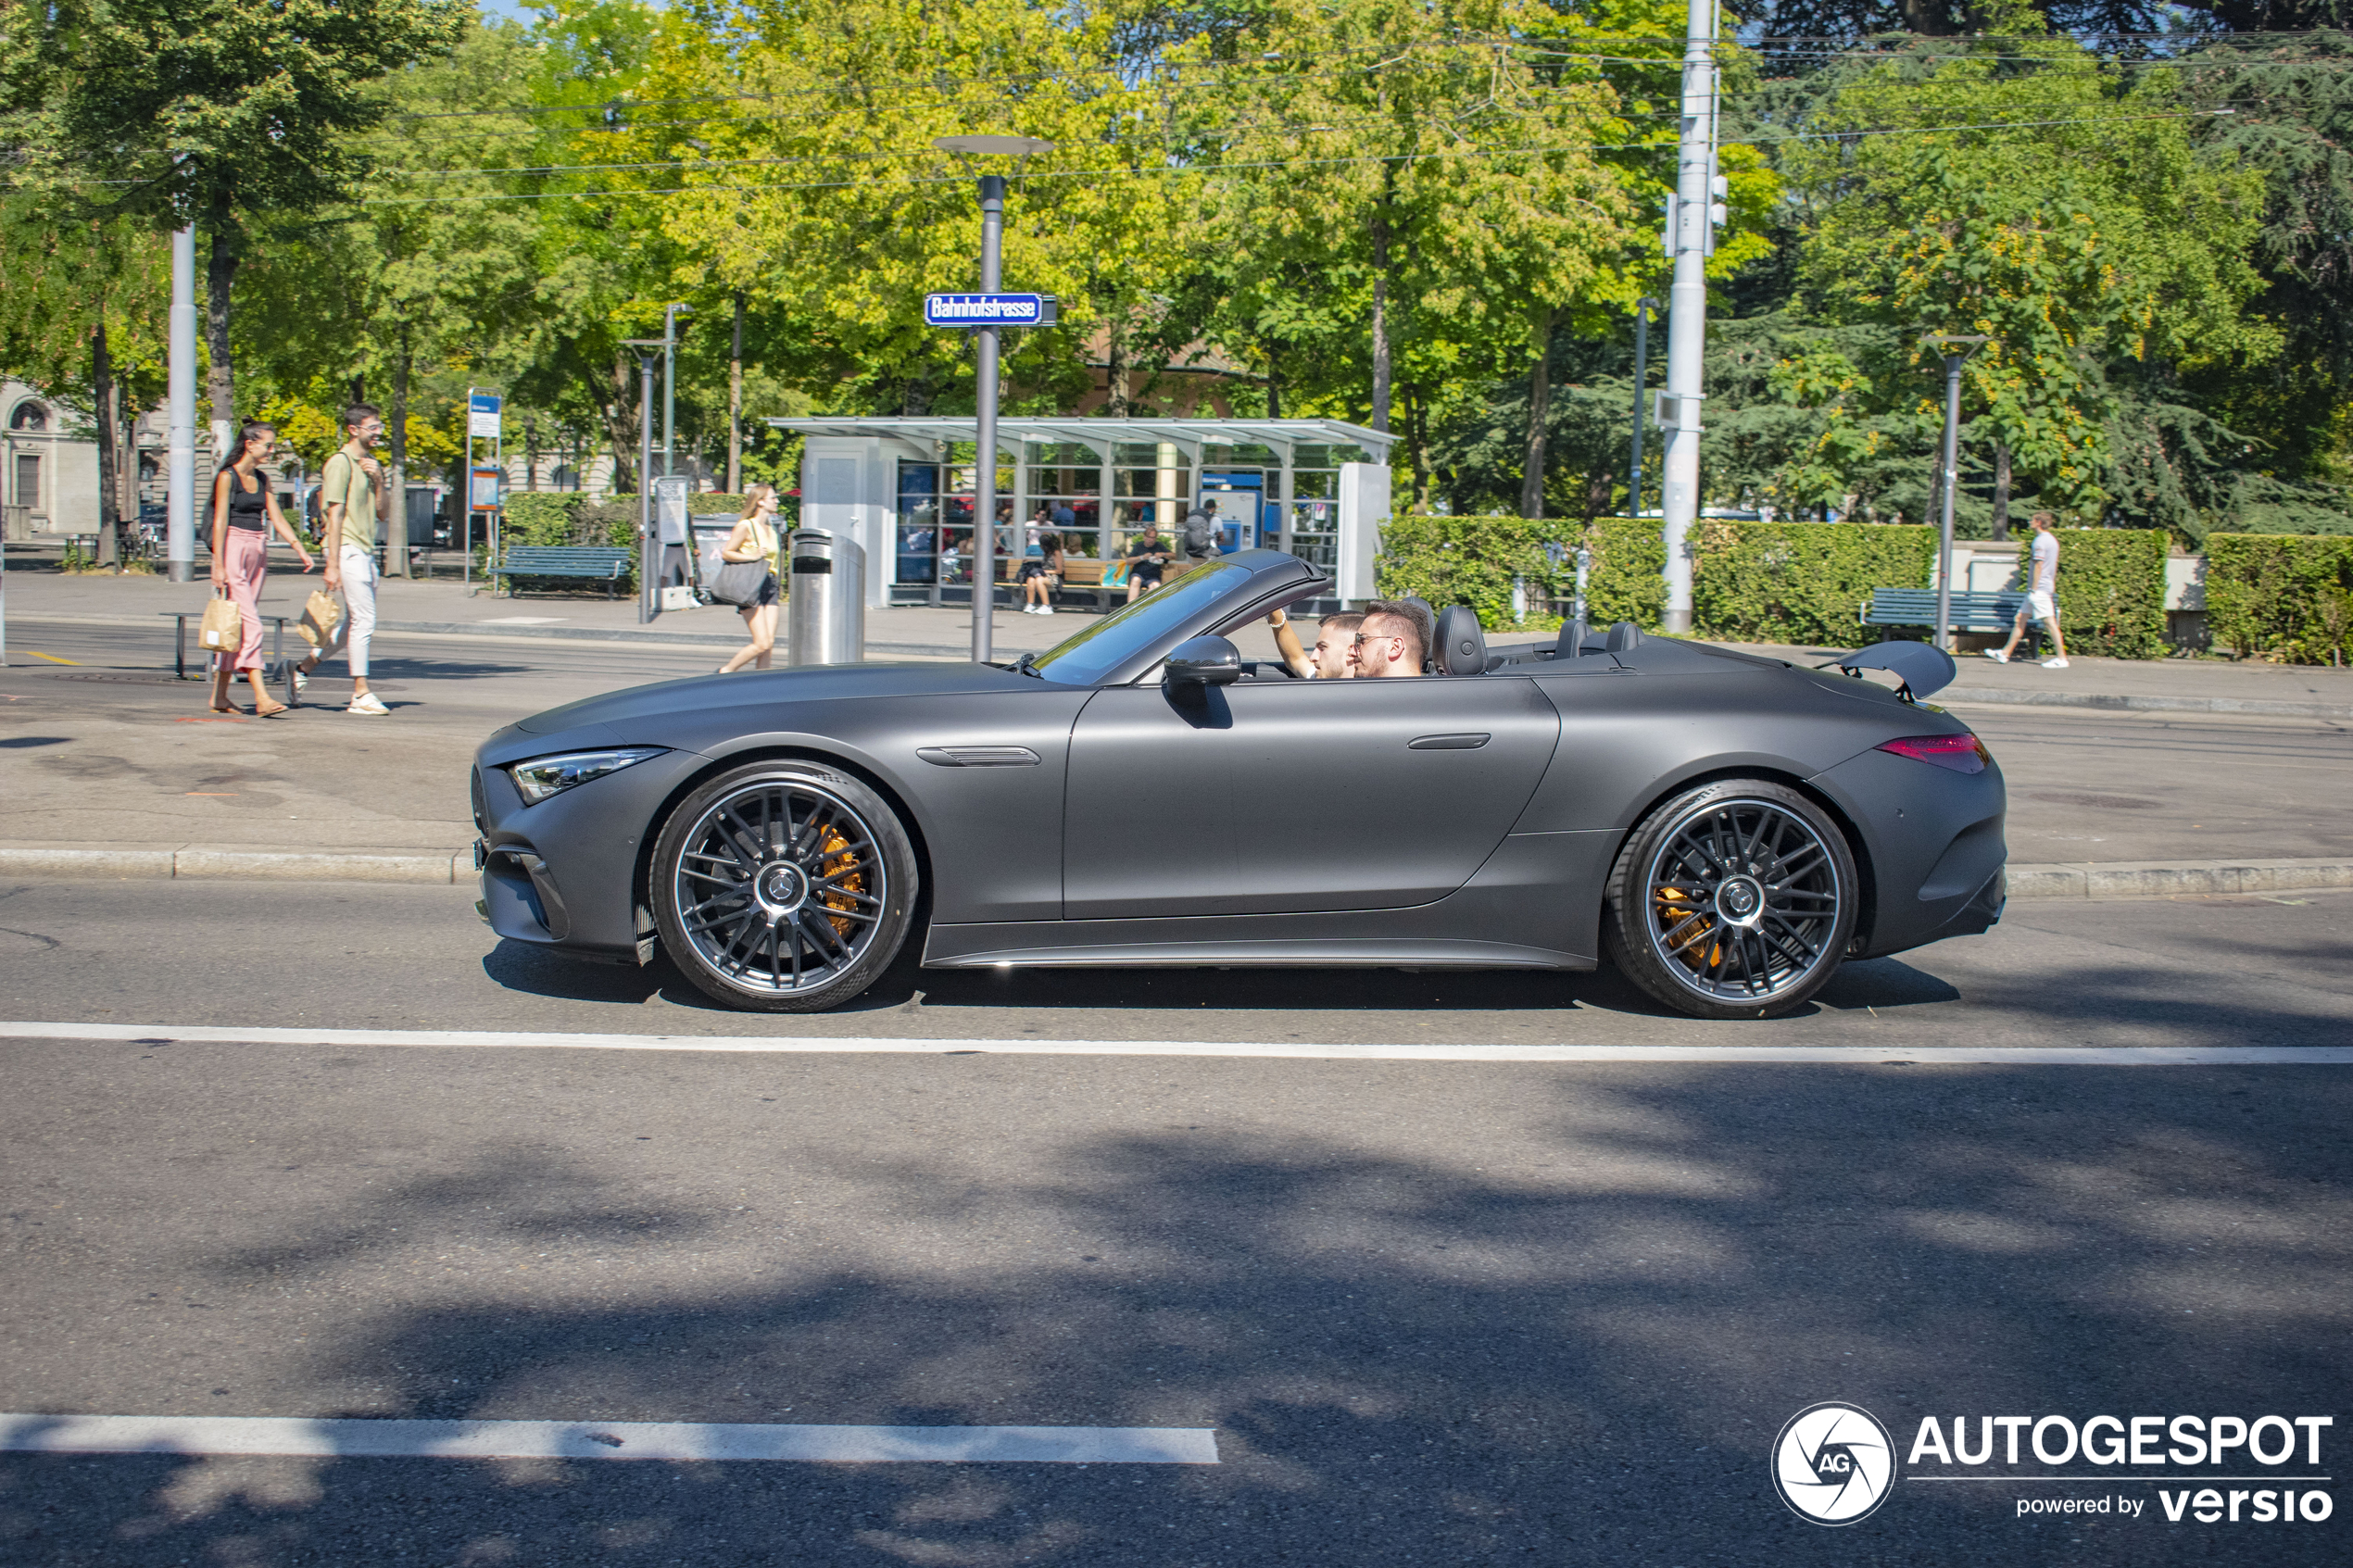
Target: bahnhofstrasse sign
1835, 1463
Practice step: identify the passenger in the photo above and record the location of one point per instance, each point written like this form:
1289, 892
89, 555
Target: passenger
1391, 643
1328, 660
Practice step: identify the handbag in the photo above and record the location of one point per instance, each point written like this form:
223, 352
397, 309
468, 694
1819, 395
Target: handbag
222, 630
320, 615
737, 582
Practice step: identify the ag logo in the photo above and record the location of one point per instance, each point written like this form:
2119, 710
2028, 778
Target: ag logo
1833, 1463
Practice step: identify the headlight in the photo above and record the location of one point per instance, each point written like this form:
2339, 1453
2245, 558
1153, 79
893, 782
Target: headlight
546, 776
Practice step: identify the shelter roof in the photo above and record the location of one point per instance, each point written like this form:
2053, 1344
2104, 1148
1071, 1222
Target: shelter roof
1096, 434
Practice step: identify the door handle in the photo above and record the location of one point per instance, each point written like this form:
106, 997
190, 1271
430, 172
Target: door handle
1447, 743
978, 756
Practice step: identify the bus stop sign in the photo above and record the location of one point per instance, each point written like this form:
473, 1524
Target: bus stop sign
989, 310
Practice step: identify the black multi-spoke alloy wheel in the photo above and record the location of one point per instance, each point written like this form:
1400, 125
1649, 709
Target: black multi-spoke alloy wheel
1732, 900
783, 885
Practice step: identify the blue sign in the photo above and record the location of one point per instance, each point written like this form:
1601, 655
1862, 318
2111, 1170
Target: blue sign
482, 413
983, 309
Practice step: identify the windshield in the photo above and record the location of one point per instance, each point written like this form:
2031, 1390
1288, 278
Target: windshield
1151, 622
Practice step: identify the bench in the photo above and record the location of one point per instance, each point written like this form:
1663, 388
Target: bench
279, 668
597, 563
1917, 606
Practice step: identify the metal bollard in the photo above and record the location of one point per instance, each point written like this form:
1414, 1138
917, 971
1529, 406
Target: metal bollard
825, 603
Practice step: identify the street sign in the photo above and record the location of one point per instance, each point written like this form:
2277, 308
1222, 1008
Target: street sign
989, 310
482, 414
483, 497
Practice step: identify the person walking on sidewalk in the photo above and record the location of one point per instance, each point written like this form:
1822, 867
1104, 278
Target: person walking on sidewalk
244, 511
2042, 598
349, 489
755, 539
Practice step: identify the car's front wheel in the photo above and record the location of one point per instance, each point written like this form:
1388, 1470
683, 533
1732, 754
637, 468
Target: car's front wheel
1736, 899
783, 885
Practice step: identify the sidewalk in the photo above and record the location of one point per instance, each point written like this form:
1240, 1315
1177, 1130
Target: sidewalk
448, 607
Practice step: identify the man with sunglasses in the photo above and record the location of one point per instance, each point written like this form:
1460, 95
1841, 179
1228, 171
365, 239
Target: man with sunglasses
1391, 642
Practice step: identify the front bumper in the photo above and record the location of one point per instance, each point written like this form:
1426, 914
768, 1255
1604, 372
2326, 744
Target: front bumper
563, 874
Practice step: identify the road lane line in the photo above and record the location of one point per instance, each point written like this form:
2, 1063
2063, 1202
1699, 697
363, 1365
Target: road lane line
607, 1440
2071, 1055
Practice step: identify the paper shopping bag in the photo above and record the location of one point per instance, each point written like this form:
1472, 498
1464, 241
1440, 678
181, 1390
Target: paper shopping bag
320, 615
222, 629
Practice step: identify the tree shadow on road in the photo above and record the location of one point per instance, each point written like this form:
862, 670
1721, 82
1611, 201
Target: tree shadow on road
1570, 1342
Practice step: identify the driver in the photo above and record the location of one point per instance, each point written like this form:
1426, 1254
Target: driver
1328, 660
1391, 643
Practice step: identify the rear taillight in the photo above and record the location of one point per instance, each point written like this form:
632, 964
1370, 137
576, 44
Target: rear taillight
1962, 753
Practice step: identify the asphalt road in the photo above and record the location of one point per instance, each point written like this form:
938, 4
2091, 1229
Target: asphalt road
1437, 1312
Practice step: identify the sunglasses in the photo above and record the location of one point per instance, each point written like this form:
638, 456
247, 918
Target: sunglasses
1361, 638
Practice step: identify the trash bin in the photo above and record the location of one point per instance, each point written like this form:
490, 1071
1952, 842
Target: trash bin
825, 606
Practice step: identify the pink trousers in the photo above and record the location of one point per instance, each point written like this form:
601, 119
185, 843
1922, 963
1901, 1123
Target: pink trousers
247, 564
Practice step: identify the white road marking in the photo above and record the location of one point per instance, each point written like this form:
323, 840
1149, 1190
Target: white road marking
608, 1439
2041, 1056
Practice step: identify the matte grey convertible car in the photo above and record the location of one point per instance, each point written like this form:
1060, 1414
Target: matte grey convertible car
1726, 829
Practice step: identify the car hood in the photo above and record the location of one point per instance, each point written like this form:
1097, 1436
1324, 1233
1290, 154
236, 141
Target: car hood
707, 695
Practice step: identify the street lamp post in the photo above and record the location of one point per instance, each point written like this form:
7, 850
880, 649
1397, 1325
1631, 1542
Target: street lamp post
1642, 308
648, 554
670, 314
1953, 363
992, 235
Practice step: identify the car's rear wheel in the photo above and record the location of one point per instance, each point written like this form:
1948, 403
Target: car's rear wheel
1736, 899
783, 885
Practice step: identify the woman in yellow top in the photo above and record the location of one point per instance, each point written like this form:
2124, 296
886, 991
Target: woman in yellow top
755, 539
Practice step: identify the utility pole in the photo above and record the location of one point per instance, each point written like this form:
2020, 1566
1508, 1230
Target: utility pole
736, 404
179, 440
1692, 231
1642, 308
670, 314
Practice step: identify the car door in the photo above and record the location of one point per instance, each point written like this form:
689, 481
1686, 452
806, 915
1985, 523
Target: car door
1276, 796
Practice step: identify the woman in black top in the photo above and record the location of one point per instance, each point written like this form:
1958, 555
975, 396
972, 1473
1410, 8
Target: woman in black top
244, 511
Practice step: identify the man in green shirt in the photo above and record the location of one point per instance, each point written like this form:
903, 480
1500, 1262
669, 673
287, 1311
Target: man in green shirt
350, 490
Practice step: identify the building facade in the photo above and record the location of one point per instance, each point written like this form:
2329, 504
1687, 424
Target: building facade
48, 471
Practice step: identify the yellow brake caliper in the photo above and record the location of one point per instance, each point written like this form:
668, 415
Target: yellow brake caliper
837, 859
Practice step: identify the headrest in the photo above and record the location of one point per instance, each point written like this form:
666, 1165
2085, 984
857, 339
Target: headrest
1572, 643
1461, 648
1623, 637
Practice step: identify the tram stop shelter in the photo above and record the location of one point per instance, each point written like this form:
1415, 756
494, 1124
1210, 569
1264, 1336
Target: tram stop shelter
904, 488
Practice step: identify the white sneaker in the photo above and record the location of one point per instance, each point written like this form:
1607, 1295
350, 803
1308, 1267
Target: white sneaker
1045, 610
302, 682
1997, 656
368, 703
2055, 663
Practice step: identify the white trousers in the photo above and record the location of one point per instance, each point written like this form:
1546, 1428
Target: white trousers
358, 611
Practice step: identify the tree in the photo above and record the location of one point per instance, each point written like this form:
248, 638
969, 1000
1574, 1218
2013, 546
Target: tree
2090, 237
209, 111
84, 319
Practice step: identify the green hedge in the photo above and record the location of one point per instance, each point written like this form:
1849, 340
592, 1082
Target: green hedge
573, 518
2111, 590
1760, 581
1469, 560
1799, 581
1624, 582
2287, 597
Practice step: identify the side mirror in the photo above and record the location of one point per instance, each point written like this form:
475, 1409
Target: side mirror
1203, 661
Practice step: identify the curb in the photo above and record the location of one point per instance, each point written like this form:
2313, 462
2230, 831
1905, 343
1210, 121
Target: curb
2089, 879
2120, 702
2149, 878
443, 868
